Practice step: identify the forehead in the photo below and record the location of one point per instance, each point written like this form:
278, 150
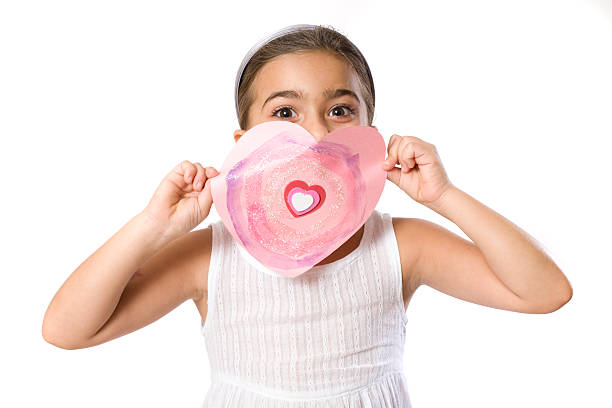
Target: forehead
310, 71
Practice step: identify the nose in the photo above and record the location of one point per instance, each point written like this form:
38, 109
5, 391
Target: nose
317, 128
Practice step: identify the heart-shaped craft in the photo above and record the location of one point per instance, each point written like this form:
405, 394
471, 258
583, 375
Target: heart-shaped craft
289, 200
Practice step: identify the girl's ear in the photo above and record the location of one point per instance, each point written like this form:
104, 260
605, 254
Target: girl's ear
238, 133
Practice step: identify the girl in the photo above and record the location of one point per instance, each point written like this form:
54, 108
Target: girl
333, 336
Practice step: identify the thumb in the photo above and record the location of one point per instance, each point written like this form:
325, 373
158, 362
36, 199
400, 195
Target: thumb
205, 199
394, 175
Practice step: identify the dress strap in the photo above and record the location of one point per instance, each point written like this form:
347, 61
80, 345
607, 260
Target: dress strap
219, 246
392, 248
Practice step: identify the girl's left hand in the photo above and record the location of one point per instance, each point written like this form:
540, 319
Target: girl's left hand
422, 175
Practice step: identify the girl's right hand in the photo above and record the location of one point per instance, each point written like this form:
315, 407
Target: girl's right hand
183, 199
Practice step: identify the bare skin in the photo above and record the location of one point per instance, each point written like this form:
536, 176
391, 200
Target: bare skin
156, 262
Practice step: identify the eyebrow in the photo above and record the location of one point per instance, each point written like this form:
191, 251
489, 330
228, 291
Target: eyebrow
328, 93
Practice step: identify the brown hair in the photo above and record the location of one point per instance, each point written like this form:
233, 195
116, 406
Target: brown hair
318, 38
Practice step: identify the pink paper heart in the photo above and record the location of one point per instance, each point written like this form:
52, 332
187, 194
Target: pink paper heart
289, 200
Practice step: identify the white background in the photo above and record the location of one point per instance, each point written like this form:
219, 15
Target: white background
99, 100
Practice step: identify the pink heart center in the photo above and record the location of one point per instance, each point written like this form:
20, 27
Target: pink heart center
301, 198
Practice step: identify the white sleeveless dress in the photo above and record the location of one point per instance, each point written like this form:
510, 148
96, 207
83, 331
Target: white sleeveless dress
330, 337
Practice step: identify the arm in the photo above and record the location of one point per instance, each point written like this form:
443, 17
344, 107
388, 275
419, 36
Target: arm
504, 267
135, 278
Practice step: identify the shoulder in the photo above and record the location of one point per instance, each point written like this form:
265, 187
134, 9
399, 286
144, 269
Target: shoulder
409, 233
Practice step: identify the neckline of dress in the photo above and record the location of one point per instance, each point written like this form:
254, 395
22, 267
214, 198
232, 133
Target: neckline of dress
348, 257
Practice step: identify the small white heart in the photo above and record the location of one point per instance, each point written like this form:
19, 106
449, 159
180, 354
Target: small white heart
301, 201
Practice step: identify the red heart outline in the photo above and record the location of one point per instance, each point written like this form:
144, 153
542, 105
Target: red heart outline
302, 184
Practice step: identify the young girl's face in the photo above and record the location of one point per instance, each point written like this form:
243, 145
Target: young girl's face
314, 89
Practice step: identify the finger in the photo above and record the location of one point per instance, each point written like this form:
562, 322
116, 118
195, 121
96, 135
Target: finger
391, 159
211, 172
200, 177
400, 153
188, 170
205, 199
181, 174
406, 155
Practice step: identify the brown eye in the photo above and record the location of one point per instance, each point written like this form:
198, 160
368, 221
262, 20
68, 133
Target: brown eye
338, 109
284, 109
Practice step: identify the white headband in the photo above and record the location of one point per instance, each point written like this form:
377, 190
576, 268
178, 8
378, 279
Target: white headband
267, 39
257, 46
